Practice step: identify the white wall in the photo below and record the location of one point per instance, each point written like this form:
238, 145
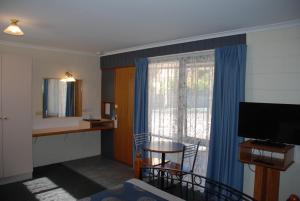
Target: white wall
54, 64
273, 75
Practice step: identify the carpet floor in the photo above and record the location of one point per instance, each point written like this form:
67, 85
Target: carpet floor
50, 183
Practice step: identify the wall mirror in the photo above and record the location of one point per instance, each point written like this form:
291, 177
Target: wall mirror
61, 98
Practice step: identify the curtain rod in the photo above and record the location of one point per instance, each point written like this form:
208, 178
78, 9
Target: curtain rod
194, 53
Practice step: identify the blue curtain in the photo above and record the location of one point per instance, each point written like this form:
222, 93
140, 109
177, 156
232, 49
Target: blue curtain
141, 96
140, 122
70, 110
229, 90
45, 98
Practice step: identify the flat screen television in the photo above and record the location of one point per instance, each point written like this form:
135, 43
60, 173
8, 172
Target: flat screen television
278, 123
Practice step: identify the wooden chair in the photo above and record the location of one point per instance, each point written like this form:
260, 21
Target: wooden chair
143, 158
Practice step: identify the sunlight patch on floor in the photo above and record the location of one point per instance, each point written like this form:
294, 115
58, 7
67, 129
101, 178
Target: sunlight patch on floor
39, 185
46, 190
55, 195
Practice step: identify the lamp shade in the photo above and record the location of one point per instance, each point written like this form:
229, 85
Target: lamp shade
14, 29
68, 78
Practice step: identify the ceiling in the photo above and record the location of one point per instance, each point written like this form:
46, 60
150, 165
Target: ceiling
108, 25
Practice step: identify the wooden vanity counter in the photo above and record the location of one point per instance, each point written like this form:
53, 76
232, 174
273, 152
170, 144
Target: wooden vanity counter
84, 126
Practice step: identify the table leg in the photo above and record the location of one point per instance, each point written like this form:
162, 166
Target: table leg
163, 158
162, 174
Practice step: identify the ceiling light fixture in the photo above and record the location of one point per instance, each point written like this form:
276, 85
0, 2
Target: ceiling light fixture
68, 78
13, 28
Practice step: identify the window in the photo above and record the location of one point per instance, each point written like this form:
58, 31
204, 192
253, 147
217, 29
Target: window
180, 99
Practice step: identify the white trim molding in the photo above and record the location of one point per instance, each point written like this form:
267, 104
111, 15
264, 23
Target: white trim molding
285, 24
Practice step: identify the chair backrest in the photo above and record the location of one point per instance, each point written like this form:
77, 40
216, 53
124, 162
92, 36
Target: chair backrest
190, 151
141, 139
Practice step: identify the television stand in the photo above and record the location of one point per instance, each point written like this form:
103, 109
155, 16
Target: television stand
267, 170
263, 161
268, 143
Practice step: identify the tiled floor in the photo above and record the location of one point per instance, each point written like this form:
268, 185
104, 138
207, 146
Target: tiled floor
106, 172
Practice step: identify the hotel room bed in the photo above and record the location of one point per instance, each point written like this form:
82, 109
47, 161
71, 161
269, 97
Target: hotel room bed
130, 190
182, 186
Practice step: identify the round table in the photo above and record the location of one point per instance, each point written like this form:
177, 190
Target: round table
163, 148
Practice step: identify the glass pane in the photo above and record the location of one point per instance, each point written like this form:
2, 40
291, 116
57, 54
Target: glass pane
163, 85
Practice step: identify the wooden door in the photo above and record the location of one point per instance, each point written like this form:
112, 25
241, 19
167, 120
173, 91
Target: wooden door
1, 159
124, 92
16, 115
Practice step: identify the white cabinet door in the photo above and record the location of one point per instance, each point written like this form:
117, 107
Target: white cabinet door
16, 114
1, 159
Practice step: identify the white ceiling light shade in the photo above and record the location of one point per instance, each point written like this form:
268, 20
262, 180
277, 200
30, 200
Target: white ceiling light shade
13, 28
68, 78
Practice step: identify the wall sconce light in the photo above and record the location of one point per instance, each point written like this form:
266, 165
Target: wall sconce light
13, 28
68, 78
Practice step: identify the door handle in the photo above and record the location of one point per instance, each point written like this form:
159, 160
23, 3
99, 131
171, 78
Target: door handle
5, 118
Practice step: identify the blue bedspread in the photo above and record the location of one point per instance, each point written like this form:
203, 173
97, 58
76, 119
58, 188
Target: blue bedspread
126, 192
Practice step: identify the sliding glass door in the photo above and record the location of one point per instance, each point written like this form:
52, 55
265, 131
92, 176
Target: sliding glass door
180, 100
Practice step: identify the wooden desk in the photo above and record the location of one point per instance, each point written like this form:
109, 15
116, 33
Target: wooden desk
85, 127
